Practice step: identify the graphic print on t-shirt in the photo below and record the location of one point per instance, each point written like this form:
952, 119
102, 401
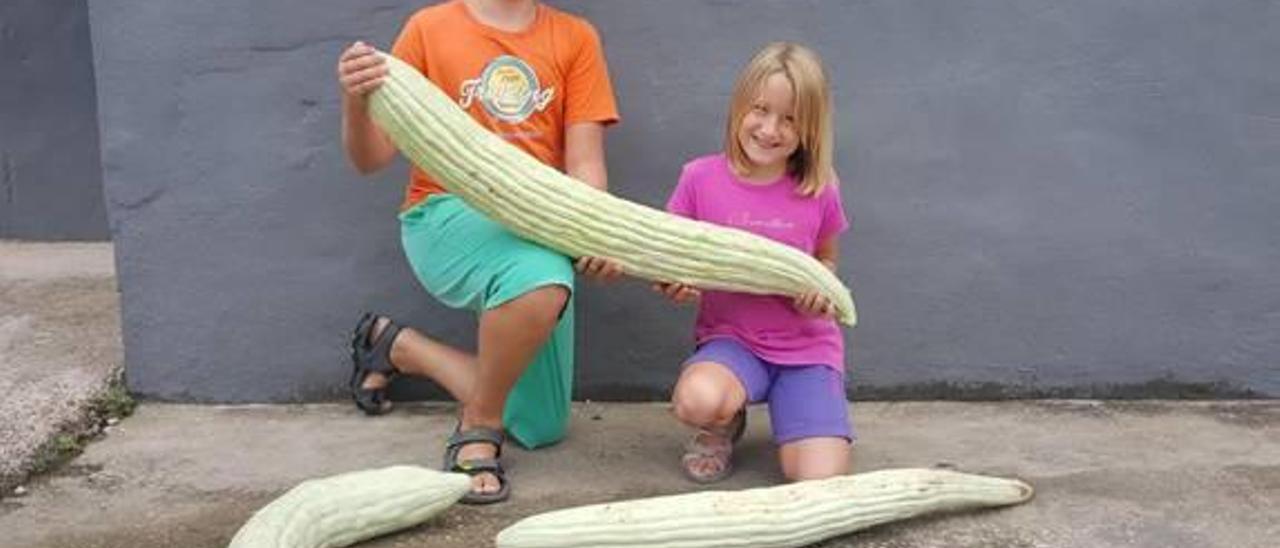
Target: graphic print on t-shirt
744, 219
770, 225
508, 89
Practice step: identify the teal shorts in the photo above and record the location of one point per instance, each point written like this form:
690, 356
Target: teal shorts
467, 261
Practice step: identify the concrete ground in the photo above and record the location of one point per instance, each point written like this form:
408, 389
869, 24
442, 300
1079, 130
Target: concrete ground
1145, 474
59, 345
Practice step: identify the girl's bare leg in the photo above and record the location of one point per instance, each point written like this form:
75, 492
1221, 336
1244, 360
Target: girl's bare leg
815, 458
706, 397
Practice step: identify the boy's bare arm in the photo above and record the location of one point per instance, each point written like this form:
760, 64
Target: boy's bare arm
360, 71
368, 147
584, 161
584, 154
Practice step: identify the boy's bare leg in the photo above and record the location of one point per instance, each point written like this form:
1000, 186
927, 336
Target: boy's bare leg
413, 353
510, 335
815, 458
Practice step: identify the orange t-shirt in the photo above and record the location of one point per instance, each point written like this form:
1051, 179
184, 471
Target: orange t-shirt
524, 86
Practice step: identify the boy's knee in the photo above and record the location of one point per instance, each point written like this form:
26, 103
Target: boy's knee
548, 302
557, 297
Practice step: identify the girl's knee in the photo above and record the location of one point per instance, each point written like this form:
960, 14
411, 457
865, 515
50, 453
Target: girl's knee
694, 408
706, 396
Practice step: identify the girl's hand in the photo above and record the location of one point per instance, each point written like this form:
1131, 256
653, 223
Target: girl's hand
813, 303
599, 269
677, 293
361, 70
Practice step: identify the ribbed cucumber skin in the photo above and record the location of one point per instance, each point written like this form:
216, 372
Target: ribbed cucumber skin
546, 206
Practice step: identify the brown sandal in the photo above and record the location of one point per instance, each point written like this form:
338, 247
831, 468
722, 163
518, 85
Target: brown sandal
718, 446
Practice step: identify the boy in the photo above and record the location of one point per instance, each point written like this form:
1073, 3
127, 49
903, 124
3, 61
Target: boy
535, 76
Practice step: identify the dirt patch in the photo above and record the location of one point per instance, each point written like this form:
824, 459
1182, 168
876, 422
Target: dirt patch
103, 410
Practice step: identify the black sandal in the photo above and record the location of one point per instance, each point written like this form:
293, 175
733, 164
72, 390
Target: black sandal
371, 356
474, 467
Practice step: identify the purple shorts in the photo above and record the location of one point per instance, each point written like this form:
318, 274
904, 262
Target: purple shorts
805, 401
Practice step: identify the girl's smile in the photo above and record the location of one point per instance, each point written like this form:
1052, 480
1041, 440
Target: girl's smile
768, 134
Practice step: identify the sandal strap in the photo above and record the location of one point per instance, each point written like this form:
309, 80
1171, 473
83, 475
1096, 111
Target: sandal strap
363, 327
477, 434
695, 445
382, 349
738, 424
722, 456
734, 430
475, 467
375, 355
472, 467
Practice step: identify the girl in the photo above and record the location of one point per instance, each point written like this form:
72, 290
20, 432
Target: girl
775, 179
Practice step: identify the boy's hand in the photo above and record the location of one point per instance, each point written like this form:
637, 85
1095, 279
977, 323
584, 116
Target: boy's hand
598, 269
361, 70
677, 293
813, 303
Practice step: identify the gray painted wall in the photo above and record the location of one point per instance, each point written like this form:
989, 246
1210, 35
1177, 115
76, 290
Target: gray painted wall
50, 178
1049, 198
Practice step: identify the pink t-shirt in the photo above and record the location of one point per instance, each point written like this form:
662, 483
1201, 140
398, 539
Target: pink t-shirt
769, 325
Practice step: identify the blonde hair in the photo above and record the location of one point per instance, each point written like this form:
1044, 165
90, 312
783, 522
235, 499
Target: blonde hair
811, 163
